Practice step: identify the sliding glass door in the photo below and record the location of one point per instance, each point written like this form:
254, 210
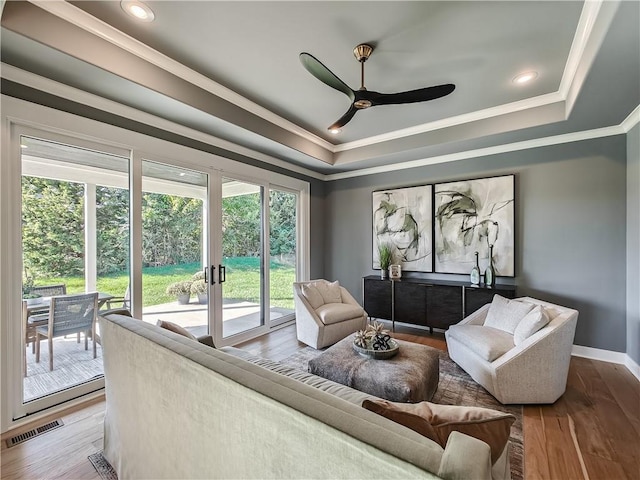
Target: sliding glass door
240, 271
174, 246
75, 241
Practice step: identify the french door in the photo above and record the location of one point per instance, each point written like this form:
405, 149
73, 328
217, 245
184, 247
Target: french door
238, 274
255, 239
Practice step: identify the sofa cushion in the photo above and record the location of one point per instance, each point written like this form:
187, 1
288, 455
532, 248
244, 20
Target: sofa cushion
176, 329
487, 342
330, 291
331, 313
313, 296
530, 324
505, 314
438, 421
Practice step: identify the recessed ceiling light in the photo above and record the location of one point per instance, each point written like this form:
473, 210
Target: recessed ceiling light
525, 77
138, 10
23, 146
335, 131
182, 174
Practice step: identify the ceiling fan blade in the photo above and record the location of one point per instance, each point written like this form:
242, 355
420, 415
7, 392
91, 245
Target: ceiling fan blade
326, 76
411, 96
343, 120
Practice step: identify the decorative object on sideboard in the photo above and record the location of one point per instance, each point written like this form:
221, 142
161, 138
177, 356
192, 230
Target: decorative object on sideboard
470, 215
395, 272
385, 257
475, 272
404, 218
489, 273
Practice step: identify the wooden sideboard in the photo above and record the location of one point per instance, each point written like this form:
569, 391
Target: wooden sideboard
429, 303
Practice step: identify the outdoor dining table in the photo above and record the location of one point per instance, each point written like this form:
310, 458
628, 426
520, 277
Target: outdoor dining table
42, 306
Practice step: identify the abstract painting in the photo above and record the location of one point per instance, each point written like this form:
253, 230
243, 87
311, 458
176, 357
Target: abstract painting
403, 219
470, 215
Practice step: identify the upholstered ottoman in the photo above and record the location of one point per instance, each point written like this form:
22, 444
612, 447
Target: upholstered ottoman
410, 376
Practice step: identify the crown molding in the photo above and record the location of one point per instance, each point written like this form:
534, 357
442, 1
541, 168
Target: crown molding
76, 95
73, 94
485, 114
483, 152
632, 120
91, 24
582, 52
594, 23
80, 96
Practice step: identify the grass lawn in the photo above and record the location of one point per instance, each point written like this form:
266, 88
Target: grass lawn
243, 281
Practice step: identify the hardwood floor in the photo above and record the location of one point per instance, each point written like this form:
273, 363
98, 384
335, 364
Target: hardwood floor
592, 432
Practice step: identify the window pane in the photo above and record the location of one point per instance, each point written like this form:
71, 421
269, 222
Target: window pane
75, 239
282, 267
173, 212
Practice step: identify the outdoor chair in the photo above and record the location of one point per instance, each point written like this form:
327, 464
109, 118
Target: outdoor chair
122, 302
31, 323
69, 314
50, 290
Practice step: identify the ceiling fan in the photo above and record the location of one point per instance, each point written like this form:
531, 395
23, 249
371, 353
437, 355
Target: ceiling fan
363, 98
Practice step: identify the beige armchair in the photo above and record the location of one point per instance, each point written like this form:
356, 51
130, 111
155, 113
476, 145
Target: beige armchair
520, 367
325, 313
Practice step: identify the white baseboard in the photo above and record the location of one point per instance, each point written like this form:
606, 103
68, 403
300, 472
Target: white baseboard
633, 367
607, 356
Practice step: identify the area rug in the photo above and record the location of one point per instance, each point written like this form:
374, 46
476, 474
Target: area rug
103, 467
455, 387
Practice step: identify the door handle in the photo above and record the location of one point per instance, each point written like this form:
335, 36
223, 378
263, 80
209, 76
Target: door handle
222, 275
213, 267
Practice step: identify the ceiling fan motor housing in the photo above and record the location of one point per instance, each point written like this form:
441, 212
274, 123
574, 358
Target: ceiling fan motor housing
362, 52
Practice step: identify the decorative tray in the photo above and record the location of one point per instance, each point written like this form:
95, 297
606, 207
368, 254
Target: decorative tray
378, 354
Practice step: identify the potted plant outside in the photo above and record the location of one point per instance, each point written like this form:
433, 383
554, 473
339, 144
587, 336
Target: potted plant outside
27, 286
385, 258
180, 290
199, 288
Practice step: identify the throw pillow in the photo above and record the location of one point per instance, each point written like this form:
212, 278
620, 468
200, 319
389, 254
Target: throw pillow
505, 314
313, 296
530, 324
330, 291
176, 329
438, 421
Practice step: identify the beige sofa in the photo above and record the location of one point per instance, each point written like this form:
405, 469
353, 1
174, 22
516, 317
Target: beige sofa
180, 409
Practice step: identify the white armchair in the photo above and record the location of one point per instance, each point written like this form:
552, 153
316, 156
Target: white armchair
526, 369
325, 313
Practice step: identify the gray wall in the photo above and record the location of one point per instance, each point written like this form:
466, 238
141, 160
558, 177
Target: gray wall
570, 233
633, 244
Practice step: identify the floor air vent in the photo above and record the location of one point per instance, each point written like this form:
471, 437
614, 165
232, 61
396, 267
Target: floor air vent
23, 437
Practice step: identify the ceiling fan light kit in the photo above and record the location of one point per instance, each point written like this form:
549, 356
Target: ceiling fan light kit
363, 98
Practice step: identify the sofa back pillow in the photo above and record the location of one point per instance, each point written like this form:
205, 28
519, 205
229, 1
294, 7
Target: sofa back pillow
533, 321
330, 291
438, 421
505, 314
176, 329
313, 296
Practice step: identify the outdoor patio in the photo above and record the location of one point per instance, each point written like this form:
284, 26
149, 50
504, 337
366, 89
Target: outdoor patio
73, 364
